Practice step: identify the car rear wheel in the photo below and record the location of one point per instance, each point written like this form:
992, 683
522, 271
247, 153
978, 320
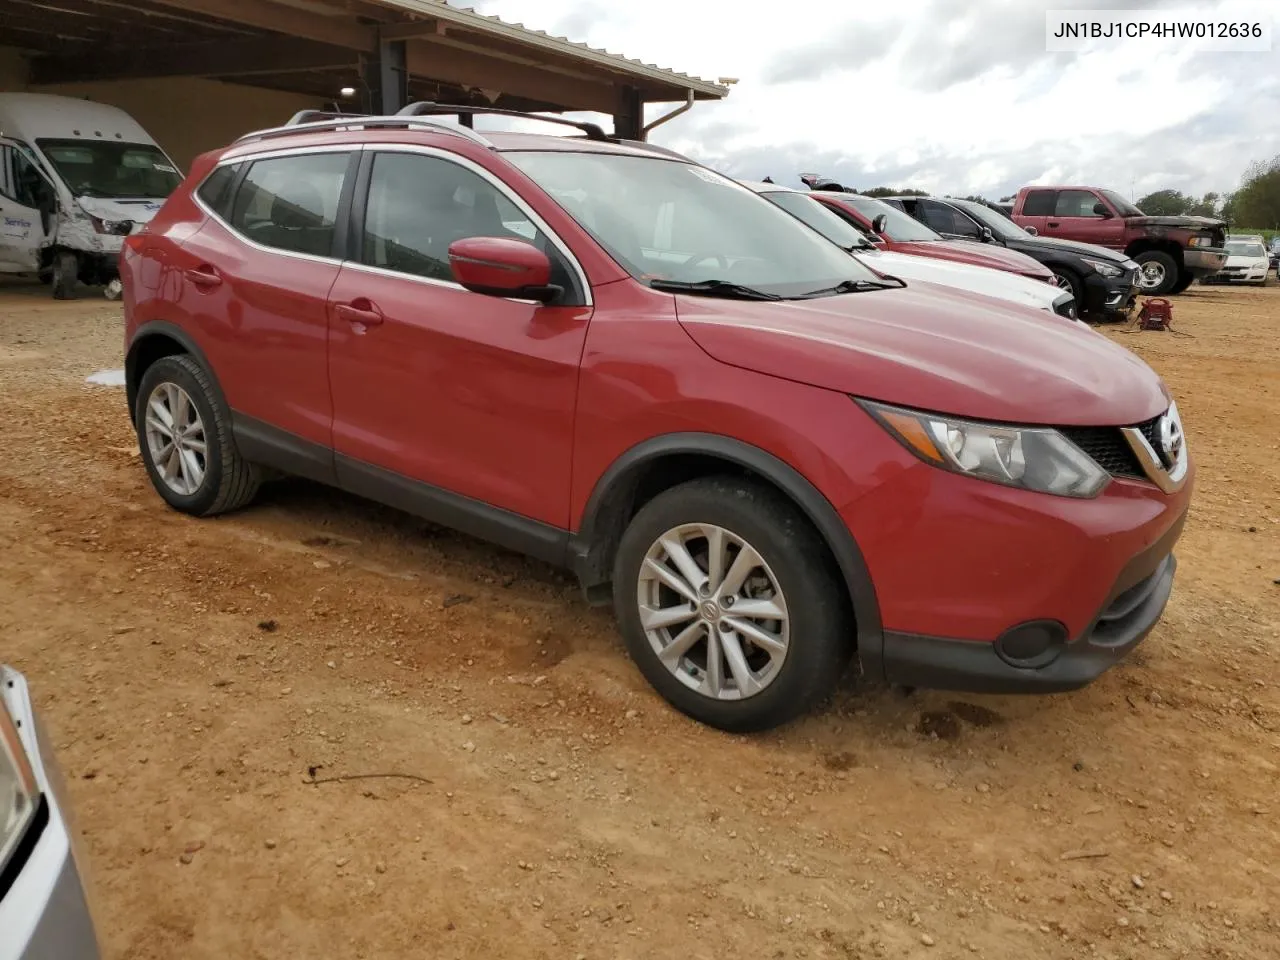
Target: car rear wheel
729, 604
1158, 274
184, 435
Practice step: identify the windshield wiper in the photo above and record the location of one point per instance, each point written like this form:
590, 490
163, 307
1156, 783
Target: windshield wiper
713, 288
853, 286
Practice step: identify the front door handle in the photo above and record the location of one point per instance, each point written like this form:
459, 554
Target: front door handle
360, 311
1054, 223
204, 276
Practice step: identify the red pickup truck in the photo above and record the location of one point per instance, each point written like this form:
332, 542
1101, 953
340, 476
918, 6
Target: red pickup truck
1172, 251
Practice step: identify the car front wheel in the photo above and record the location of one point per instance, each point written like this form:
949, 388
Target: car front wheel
729, 604
1159, 273
184, 435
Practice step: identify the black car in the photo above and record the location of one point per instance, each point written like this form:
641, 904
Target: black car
1105, 282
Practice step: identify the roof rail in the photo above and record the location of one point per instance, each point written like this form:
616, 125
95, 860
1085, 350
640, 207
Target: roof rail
427, 107
299, 123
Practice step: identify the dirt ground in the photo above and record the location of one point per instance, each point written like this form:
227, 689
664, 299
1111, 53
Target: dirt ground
196, 674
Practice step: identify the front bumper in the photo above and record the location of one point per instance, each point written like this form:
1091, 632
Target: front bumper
44, 913
1111, 295
961, 568
1131, 611
1203, 261
1240, 275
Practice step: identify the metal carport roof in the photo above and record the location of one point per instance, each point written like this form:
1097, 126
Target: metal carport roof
317, 47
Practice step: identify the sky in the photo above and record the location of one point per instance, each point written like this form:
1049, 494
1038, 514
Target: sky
949, 96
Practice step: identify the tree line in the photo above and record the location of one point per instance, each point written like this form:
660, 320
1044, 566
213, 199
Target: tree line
1255, 204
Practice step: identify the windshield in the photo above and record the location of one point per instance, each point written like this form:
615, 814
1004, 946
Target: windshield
1000, 225
1123, 206
665, 221
901, 227
811, 212
1245, 248
112, 169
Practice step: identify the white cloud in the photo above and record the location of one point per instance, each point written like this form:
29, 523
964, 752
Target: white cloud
953, 96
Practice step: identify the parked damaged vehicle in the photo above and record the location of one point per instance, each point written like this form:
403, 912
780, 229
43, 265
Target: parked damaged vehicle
891, 229
769, 458
1172, 251
1104, 282
44, 911
946, 273
1247, 262
76, 178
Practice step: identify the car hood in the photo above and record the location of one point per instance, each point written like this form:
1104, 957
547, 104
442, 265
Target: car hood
1190, 223
139, 211
1241, 261
962, 276
920, 347
978, 254
1056, 245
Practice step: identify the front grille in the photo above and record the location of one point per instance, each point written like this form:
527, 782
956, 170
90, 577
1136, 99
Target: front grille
1108, 447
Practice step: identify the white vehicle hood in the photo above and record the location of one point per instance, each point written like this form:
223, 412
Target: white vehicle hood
139, 211
948, 273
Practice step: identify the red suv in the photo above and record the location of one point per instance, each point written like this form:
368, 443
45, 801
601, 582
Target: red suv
612, 358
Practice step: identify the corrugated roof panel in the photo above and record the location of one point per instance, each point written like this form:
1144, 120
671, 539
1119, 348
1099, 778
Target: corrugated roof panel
484, 23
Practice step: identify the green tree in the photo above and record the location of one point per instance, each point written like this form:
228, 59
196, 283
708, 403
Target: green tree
893, 192
1206, 206
1165, 203
1257, 202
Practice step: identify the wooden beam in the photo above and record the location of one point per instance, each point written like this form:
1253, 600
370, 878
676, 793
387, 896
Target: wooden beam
235, 58
436, 61
264, 15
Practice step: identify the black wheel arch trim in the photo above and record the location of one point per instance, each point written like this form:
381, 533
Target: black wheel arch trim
591, 544
163, 328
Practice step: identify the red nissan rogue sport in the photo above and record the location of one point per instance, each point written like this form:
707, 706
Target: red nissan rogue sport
770, 458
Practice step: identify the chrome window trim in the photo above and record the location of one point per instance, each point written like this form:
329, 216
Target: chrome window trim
269, 155
465, 162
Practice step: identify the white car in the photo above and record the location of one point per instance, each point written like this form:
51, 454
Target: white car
43, 909
1247, 262
962, 276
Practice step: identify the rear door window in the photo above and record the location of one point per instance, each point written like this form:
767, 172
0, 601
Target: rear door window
1076, 203
291, 203
1039, 203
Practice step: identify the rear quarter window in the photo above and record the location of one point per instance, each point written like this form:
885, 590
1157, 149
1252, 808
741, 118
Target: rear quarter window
216, 190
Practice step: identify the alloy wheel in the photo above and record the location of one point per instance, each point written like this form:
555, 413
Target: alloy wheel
713, 611
1152, 274
176, 439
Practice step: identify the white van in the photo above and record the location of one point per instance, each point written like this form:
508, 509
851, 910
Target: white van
76, 177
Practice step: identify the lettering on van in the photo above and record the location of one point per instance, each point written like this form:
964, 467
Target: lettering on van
15, 228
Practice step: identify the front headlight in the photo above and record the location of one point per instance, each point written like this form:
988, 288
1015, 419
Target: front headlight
1200, 241
18, 791
1033, 458
1103, 267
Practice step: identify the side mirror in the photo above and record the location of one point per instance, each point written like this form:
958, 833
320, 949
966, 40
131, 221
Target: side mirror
502, 267
1031, 231
879, 223
1102, 210
987, 235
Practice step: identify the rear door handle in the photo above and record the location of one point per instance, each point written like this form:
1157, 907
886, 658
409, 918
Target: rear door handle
204, 276
361, 311
1054, 223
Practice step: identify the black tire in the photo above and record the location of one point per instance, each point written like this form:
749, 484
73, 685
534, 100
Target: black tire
1171, 272
1184, 282
1072, 281
230, 482
820, 625
65, 277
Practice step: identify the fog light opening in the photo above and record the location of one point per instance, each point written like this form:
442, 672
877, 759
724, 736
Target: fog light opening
1034, 644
